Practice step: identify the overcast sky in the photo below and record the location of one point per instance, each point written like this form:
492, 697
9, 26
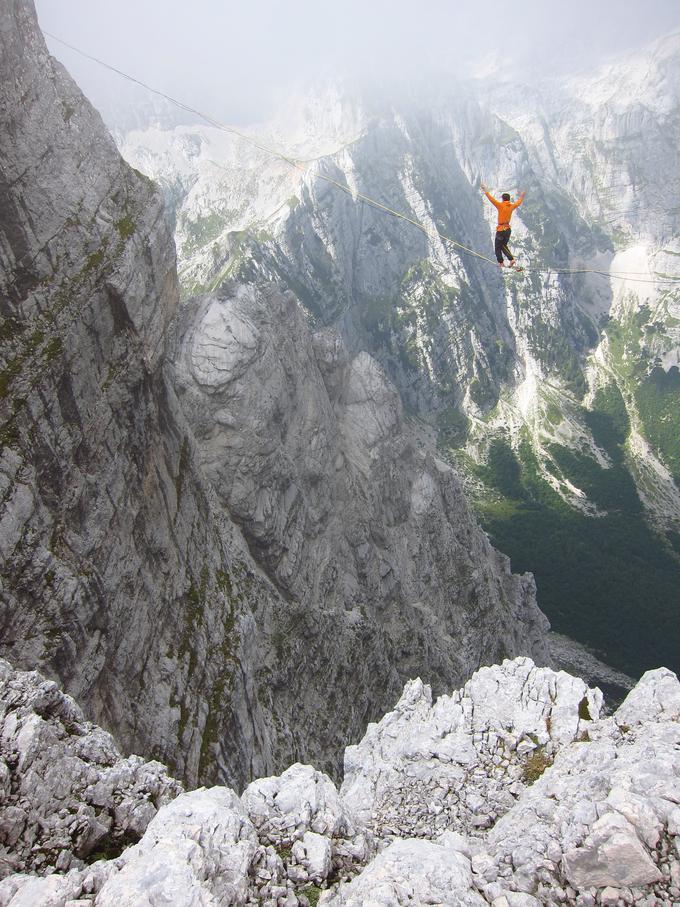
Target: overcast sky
236, 57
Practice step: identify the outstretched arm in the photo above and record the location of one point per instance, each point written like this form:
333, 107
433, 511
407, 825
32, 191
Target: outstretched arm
519, 200
486, 192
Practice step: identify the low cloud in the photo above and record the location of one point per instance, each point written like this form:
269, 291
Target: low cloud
239, 59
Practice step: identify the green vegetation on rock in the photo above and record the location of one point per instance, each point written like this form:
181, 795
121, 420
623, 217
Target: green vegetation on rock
126, 227
202, 231
313, 893
658, 401
550, 346
654, 391
452, 428
535, 764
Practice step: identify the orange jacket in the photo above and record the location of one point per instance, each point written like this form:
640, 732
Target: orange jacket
505, 210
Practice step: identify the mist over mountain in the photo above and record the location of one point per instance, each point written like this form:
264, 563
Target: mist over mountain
239, 62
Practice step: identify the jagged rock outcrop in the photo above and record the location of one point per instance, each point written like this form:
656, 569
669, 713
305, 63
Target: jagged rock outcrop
66, 793
460, 761
578, 809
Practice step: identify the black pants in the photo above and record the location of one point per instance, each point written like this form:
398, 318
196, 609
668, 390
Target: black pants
501, 245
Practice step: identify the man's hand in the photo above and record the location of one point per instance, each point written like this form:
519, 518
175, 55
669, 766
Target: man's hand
484, 188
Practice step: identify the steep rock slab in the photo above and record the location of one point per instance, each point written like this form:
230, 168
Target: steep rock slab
346, 505
117, 576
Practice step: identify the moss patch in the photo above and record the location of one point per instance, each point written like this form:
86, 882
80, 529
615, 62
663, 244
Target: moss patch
94, 261
313, 893
535, 765
584, 711
53, 349
126, 227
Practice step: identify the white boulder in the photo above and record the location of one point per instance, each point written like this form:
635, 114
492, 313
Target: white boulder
656, 696
411, 872
34, 891
612, 855
314, 853
196, 851
300, 799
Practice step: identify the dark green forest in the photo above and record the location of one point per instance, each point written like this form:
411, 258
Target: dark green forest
610, 580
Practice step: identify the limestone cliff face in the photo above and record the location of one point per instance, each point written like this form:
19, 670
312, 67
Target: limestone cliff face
597, 155
117, 576
343, 502
236, 600
599, 164
558, 393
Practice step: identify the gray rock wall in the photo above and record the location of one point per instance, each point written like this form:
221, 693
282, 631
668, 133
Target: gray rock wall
344, 502
117, 576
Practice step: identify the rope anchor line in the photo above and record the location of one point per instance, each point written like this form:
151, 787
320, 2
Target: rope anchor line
634, 277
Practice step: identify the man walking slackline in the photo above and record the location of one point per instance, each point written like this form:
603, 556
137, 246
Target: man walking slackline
505, 208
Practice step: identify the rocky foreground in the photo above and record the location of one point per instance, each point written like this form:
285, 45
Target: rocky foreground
513, 791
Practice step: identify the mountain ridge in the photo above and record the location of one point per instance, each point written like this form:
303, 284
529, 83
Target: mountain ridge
568, 381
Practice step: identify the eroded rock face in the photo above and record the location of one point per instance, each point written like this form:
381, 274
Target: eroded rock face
591, 816
118, 576
343, 500
603, 814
